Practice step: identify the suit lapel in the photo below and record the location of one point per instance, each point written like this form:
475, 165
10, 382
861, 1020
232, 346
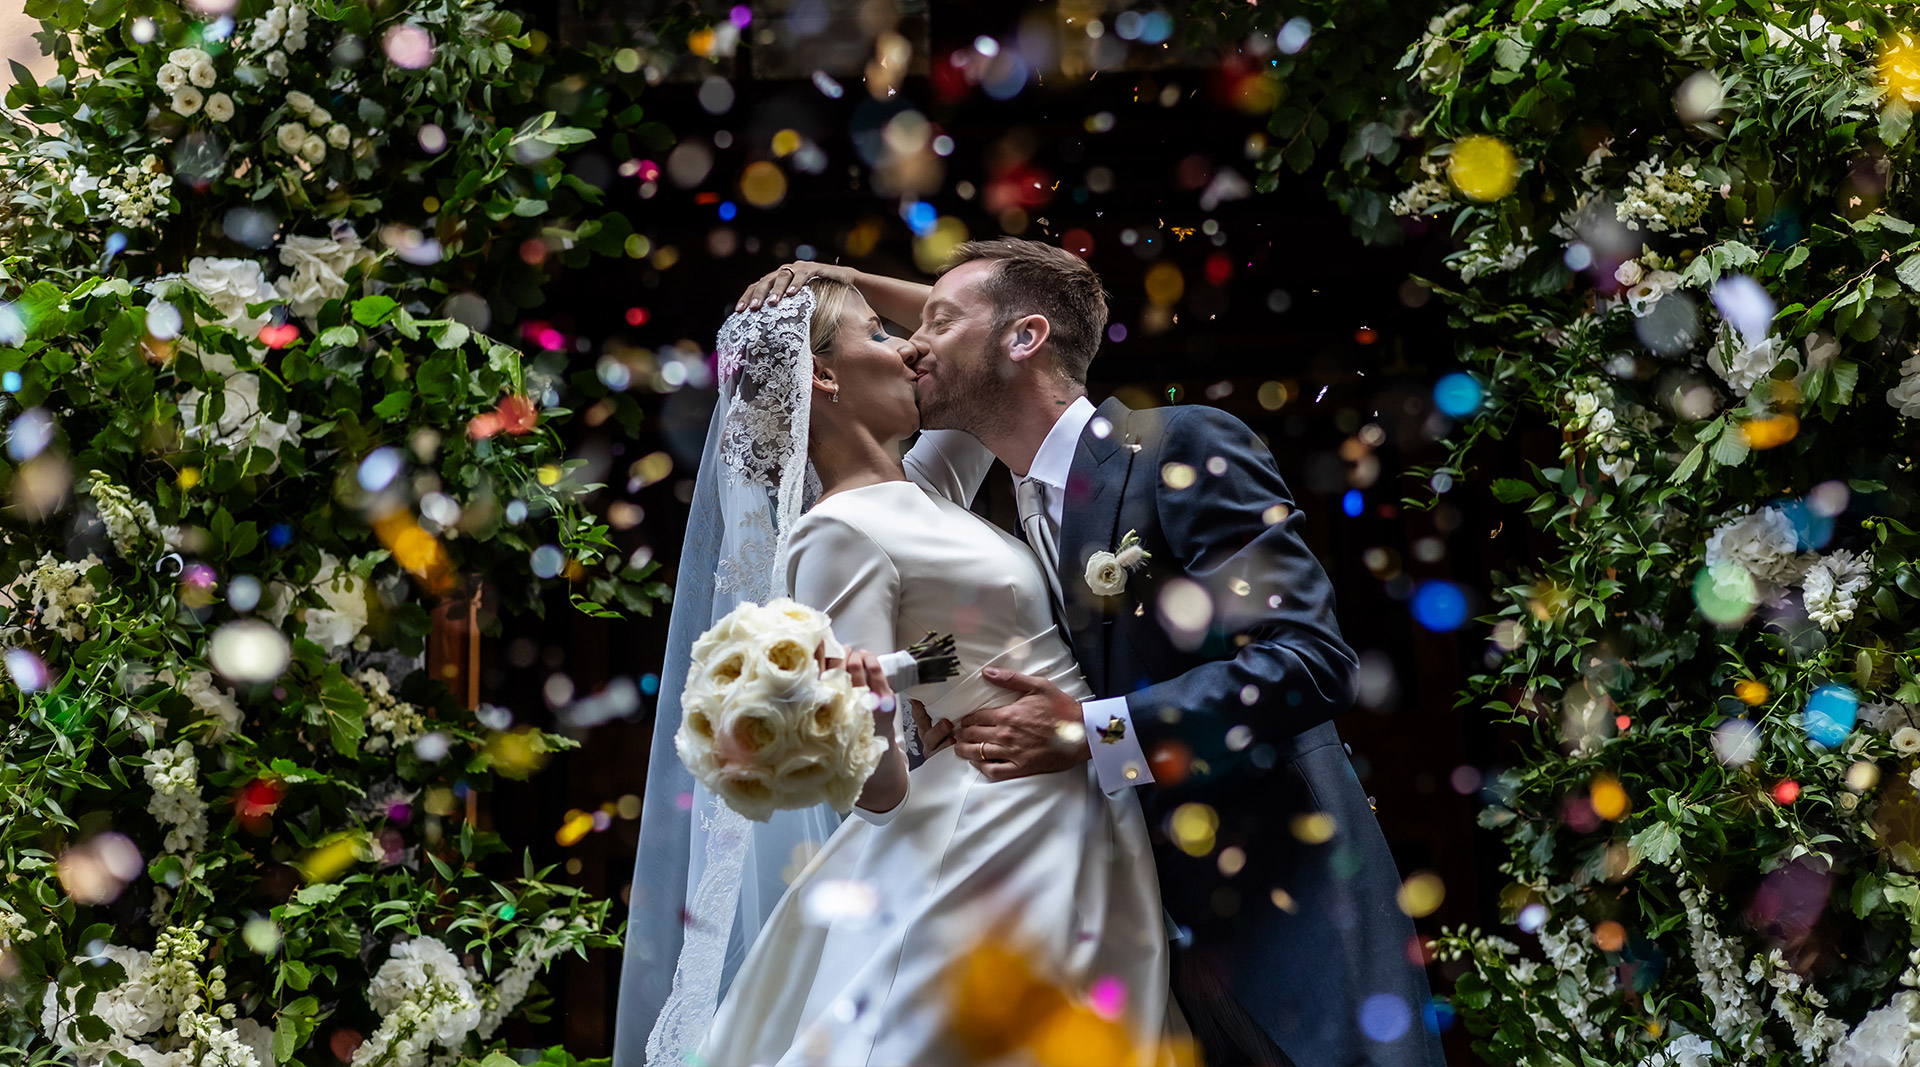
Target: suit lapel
1095, 484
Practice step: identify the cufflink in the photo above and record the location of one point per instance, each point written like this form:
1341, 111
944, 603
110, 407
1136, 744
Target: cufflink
1114, 732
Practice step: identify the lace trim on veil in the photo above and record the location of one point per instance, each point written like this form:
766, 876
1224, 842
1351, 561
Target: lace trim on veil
766, 381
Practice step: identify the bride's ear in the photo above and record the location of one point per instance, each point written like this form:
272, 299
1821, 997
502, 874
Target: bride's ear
823, 380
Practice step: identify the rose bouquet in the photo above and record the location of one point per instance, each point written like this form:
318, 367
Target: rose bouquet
766, 725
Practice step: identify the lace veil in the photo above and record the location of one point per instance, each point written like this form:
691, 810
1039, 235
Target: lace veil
706, 878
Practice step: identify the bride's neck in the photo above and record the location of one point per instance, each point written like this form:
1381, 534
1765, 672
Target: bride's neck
849, 460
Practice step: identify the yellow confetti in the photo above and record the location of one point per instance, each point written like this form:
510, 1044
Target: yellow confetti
577, 825
1609, 799
786, 142
1483, 167
328, 860
763, 184
1192, 828
1164, 284
189, 477
1420, 895
1751, 691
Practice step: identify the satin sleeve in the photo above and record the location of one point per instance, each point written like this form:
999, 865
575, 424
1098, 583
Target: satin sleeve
834, 566
951, 463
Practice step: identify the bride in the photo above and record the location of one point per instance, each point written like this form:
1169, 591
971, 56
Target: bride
858, 962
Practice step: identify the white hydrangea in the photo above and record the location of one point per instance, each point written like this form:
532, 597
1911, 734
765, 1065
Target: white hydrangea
538, 948
174, 776
1743, 365
242, 424
13, 928
1888, 1037
1568, 947
390, 720
147, 999
320, 266
1905, 395
424, 997
129, 522
1660, 199
59, 595
1764, 543
1684, 1050
339, 623
210, 701
1833, 584
230, 284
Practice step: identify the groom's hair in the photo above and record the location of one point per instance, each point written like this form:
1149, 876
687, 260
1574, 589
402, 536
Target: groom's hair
1031, 278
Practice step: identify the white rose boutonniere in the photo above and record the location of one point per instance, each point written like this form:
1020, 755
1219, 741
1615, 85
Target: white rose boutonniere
1107, 571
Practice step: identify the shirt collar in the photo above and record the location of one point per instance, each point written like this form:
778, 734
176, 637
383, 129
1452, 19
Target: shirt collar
1054, 461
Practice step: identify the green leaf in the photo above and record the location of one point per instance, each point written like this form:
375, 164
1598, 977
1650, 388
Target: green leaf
1896, 118
345, 708
1909, 271
565, 135
395, 405
374, 310
1655, 844
1688, 465
344, 335
318, 894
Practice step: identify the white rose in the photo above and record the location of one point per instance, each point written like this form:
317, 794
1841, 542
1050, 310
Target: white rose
277, 64
187, 101
1629, 273
335, 626
1105, 576
313, 149
1585, 404
242, 425
230, 285
319, 117
1741, 364
170, 79
185, 58
219, 107
1619, 468
211, 701
300, 102
1763, 542
202, 74
1602, 421
1906, 740
1905, 396
290, 136
339, 136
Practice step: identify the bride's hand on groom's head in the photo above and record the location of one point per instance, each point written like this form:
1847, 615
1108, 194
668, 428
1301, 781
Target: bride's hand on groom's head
1024, 737
785, 281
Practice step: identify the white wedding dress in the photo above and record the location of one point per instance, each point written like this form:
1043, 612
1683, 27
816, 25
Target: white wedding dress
855, 965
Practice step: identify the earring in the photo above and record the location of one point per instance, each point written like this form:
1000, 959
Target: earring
835, 396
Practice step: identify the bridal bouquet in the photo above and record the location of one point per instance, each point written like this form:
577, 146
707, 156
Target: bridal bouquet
766, 727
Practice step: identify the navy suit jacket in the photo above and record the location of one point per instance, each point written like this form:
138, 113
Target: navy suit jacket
1225, 644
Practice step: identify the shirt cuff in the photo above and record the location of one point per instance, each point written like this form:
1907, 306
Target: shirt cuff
1117, 756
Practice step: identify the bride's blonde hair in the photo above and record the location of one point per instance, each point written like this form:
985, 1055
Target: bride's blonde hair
829, 300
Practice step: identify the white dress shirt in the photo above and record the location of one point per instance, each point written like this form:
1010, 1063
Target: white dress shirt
1121, 763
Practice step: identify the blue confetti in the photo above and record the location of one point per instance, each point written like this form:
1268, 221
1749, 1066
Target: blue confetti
1440, 606
920, 218
1352, 503
1830, 715
11, 382
280, 535
1385, 1017
649, 684
1458, 394
728, 209
1437, 1015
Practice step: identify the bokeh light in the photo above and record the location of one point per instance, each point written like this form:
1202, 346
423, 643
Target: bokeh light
1483, 167
1440, 606
1458, 394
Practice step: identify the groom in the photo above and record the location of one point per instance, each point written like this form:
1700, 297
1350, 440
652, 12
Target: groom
1218, 662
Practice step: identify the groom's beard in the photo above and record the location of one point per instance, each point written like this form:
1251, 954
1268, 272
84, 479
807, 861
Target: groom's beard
978, 400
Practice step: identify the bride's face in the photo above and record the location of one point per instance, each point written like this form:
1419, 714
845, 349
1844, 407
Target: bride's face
873, 374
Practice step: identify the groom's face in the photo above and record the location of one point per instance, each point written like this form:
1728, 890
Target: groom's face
961, 374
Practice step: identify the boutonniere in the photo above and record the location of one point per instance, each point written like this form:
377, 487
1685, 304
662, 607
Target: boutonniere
1107, 571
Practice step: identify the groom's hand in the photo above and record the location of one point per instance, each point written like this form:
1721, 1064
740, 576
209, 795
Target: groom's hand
1027, 736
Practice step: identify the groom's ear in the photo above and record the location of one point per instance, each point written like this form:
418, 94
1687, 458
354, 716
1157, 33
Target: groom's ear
1026, 336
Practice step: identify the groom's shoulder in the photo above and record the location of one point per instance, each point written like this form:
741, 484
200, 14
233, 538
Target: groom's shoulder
1187, 427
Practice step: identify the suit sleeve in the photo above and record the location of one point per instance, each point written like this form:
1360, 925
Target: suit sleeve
1282, 666
951, 463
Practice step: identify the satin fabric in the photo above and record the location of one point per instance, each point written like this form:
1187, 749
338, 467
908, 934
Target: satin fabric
855, 964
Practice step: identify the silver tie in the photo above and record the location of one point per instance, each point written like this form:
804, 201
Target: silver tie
1031, 495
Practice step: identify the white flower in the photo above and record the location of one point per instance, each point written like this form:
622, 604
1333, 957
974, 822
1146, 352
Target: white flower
313, 149
144, 1001
320, 266
1814, 34
1685, 1050
219, 107
290, 136
339, 623
1888, 1037
1629, 273
425, 998
1105, 576
242, 424
319, 116
202, 74
1906, 740
212, 702
1905, 396
1832, 586
170, 79
277, 64
339, 136
390, 720
174, 775
276, 600
301, 104
185, 58
1648, 291
128, 521
1743, 365
1662, 199
187, 101
59, 596
1762, 542
230, 285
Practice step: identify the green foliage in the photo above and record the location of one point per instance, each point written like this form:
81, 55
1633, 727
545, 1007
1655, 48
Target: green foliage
273, 416
1664, 663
